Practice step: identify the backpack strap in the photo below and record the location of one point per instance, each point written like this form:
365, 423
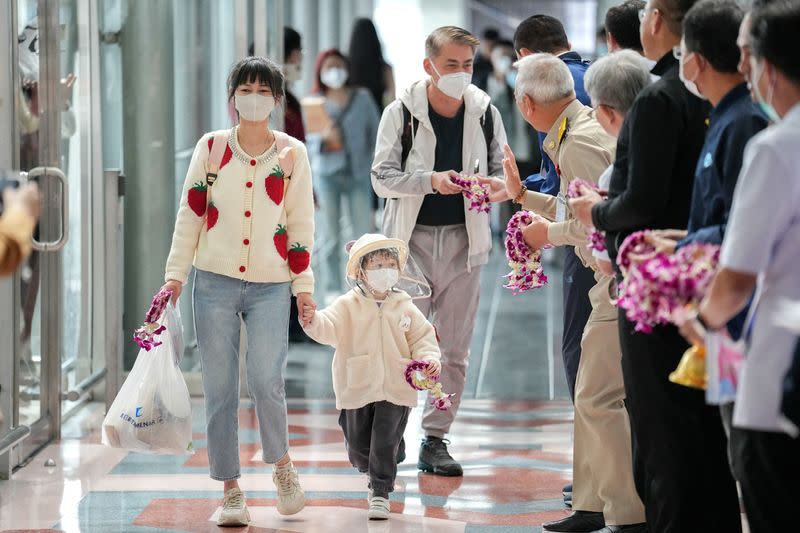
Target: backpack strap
218, 146
487, 125
215, 156
410, 125
285, 152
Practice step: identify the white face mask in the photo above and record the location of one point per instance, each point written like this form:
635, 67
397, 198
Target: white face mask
383, 279
690, 85
254, 107
334, 77
292, 72
453, 85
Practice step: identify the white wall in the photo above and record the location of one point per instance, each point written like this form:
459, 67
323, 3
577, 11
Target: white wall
403, 26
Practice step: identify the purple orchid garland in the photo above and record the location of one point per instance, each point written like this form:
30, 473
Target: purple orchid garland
526, 267
145, 336
473, 190
657, 288
417, 377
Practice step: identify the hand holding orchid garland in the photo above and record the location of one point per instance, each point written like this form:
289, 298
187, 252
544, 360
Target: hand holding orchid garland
423, 375
475, 191
526, 267
658, 286
576, 189
145, 336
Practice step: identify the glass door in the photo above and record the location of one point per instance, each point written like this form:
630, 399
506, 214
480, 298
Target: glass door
54, 142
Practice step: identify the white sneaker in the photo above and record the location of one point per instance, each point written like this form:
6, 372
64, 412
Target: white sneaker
378, 508
291, 498
234, 510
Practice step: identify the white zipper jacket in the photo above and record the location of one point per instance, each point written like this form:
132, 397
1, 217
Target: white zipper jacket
406, 189
374, 344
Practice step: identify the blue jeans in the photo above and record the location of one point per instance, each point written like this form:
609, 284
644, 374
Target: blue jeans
218, 302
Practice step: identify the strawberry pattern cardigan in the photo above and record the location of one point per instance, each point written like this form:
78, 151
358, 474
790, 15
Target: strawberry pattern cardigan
258, 225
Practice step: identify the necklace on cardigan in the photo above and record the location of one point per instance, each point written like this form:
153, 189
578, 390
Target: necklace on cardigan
243, 156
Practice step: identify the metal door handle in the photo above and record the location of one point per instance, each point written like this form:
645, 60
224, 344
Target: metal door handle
56, 245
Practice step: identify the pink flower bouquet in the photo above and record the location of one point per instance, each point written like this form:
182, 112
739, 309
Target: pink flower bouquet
526, 267
146, 335
474, 191
417, 376
657, 286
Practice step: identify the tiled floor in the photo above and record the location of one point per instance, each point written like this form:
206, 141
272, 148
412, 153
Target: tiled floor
513, 435
516, 457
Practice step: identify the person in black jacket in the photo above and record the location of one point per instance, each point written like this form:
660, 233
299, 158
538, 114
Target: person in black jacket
679, 446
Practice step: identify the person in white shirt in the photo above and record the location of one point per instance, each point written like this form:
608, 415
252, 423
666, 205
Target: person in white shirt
760, 254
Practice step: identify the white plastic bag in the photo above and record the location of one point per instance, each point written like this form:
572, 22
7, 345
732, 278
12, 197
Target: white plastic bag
152, 412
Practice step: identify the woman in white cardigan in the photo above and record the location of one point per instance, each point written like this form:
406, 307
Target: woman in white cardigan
250, 246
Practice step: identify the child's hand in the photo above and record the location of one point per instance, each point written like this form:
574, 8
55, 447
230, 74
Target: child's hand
308, 315
305, 308
433, 369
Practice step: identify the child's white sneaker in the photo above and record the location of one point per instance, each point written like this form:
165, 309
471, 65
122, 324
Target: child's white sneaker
291, 498
234, 510
378, 508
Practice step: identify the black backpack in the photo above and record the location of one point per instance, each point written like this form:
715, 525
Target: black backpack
410, 125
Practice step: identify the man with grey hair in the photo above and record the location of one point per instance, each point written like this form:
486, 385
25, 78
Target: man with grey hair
613, 82
439, 127
604, 495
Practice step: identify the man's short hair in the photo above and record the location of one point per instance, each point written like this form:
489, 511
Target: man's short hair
710, 28
544, 78
617, 79
622, 22
673, 12
773, 34
448, 34
541, 33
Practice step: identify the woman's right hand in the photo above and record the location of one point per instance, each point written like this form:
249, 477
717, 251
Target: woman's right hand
175, 286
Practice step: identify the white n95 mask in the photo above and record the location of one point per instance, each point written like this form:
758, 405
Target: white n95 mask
335, 78
254, 107
383, 279
453, 85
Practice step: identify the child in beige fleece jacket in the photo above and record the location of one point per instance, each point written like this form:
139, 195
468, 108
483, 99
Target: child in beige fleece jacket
376, 330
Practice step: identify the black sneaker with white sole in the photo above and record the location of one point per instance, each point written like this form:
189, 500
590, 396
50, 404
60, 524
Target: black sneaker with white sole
434, 458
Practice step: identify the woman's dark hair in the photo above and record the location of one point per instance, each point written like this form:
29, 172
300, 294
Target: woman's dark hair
320, 87
622, 22
258, 69
366, 60
773, 34
710, 28
291, 42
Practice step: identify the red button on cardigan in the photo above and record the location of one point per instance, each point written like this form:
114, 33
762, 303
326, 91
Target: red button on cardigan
252, 162
246, 242
249, 184
247, 214
242, 268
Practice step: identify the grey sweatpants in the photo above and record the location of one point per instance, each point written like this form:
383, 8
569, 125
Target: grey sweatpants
372, 435
442, 252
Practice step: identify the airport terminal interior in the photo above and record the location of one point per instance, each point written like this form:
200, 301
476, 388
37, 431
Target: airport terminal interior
104, 101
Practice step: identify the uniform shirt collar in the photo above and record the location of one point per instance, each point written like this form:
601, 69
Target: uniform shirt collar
733, 96
666, 63
552, 140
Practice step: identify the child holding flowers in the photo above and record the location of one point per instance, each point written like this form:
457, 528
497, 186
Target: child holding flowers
378, 333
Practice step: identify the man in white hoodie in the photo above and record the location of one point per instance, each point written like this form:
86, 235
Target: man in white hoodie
439, 127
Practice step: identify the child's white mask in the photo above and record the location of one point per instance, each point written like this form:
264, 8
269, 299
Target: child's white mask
383, 279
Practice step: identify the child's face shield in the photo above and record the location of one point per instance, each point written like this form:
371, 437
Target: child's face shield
375, 267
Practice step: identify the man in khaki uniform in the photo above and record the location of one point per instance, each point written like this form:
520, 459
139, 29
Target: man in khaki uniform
604, 492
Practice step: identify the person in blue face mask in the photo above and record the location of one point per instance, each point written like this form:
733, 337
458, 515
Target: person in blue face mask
759, 256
